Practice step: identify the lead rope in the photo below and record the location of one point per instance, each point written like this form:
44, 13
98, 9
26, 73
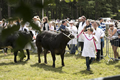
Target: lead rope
88, 39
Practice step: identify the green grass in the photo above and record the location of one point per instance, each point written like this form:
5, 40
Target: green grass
75, 68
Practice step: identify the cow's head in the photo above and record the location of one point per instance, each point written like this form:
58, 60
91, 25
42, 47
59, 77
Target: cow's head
67, 33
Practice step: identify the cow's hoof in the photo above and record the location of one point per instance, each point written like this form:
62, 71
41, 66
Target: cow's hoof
27, 59
53, 66
15, 61
63, 65
39, 61
45, 62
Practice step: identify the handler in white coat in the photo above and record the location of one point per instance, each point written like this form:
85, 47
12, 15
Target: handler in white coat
99, 34
24, 27
80, 28
73, 42
89, 46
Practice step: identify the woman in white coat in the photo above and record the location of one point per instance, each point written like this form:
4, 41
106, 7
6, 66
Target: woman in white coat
24, 27
73, 42
99, 34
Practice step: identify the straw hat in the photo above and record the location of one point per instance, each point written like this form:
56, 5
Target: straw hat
36, 17
71, 22
80, 18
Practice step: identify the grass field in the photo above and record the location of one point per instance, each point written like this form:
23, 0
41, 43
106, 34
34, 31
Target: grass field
75, 68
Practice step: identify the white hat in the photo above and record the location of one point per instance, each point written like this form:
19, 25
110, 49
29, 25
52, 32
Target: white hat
71, 21
56, 22
80, 18
36, 17
118, 25
111, 23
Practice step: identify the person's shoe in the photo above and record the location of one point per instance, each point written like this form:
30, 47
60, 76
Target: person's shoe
101, 57
88, 69
97, 60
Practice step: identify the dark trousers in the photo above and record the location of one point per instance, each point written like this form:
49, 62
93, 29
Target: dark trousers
101, 50
88, 62
82, 45
98, 55
68, 46
72, 48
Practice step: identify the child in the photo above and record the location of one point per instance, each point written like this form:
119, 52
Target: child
89, 46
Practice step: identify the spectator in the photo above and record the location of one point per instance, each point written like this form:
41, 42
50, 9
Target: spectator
45, 24
102, 40
73, 42
99, 34
79, 21
52, 26
103, 26
80, 28
114, 42
1, 24
63, 26
88, 25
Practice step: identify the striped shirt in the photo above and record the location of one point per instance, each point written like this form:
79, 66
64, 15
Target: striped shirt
103, 26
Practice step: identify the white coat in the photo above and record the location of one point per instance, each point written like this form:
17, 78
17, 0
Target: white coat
51, 28
22, 28
73, 29
89, 47
80, 28
28, 46
99, 33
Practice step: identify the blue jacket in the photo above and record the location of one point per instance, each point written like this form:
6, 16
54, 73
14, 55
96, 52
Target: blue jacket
61, 27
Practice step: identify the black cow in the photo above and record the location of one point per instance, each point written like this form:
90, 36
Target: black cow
11, 41
55, 42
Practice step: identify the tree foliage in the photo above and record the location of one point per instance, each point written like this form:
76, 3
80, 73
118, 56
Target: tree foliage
64, 8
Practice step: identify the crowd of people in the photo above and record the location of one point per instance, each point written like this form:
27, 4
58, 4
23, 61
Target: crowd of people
89, 34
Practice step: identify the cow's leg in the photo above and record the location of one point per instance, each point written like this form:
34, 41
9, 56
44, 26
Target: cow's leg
45, 56
28, 54
15, 55
39, 49
54, 58
62, 59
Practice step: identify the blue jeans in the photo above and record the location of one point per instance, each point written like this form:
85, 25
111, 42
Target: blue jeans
72, 48
88, 62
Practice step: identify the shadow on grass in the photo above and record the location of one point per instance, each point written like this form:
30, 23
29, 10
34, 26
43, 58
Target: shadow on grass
47, 67
12, 63
85, 72
79, 56
69, 55
118, 66
112, 62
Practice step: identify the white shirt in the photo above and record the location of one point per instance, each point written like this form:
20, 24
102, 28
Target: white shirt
89, 47
22, 28
73, 29
99, 33
51, 28
80, 28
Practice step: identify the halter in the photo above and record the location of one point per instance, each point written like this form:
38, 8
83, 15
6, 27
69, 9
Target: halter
67, 35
